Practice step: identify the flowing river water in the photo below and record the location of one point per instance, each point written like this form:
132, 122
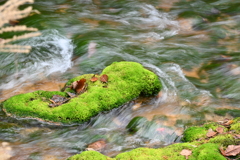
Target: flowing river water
192, 45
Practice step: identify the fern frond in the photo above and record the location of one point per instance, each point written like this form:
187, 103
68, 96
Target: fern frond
9, 11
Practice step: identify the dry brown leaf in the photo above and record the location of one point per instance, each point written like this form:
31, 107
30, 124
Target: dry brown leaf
211, 133
232, 150
104, 78
94, 79
222, 151
220, 130
81, 86
186, 153
74, 84
71, 95
226, 122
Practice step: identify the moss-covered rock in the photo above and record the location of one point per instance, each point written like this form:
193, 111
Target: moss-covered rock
208, 151
202, 147
89, 155
235, 126
126, 80
194, 133
224, 140
200, 132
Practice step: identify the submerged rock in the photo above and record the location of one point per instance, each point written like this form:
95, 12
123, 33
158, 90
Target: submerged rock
126, 80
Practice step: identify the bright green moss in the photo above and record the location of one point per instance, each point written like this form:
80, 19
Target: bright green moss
126, 80
140, 154
236, 125
89, 155
213, 126
208, 151
224, 139
194, 133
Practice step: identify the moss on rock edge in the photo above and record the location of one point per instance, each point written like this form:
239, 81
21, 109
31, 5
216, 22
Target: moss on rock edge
127, 80
208, 151
205, 149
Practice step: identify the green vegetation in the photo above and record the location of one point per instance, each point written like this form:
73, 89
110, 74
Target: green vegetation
235, 127
208, 151
199, 132
89, 155
194, 133
126, 81
199, 145
224, 140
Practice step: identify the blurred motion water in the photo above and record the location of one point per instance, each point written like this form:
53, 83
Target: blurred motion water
193, 46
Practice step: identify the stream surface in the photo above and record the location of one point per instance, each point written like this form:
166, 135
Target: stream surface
192, 45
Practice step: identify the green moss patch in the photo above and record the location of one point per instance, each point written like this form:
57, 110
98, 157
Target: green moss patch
126, 81
235, 126
224, 140
89, 155
194, 133
200, 132
206, 151
199, 145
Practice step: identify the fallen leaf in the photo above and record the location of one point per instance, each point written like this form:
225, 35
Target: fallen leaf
211, 133
72, 95
186, 153
81, 86
57, 100
231, 150
74, 84
98, 145
229, 122
226, 122
222, 151
93, 79
104, 78
220, 130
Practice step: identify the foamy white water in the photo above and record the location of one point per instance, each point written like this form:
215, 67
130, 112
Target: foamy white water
51, 53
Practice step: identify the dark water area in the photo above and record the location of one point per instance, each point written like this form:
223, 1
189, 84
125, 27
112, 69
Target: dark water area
193, 46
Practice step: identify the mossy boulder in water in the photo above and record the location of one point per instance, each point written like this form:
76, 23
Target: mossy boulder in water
222, 133
199, 151
126, 81
199, 132
199, 146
